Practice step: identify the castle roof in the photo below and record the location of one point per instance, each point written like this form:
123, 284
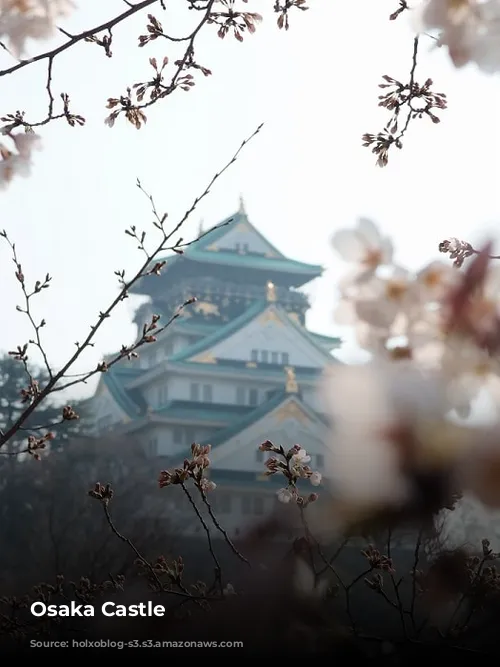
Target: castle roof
188, 326
259, 308
238, 426
124, 380
215, 248
116, 380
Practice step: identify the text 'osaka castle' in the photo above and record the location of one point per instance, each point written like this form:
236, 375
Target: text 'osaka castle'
237, 368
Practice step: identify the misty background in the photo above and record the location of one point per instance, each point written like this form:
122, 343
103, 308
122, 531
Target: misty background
304, 176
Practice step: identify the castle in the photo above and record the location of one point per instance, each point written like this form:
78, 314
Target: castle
238, 367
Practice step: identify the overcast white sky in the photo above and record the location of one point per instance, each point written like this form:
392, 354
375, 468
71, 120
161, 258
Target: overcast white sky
305, 176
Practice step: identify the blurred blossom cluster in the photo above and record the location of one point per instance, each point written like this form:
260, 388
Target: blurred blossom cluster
470, 29
437, 318
22, 20
434, 338
15, 151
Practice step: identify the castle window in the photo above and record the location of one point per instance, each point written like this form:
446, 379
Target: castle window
253, 397
240, 395
254, 356
207, 393
237, 247
245, 247
274, 358
195, 391
285, 359
264, 356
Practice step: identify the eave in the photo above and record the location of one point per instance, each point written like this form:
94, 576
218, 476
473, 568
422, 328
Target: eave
236, 427
238, 323
259, 268
213, 413
116, 381
306, 377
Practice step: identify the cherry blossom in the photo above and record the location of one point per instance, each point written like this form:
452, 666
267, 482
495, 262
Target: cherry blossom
300, 458
16, 157
434, 281
364, 245
207, 485
21, 20
438, 318
315, 478
469, 370
285, 496
364, 403
469, 28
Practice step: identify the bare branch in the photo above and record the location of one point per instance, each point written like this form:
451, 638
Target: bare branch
145, 269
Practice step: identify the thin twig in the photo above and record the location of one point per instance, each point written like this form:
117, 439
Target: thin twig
218, 569
220, 528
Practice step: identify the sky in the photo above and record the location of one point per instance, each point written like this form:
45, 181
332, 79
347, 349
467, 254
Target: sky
302, 178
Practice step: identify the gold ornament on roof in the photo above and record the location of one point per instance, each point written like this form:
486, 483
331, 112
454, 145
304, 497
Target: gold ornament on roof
206, 308
204, 358
270, 315
271, 292
291, 385
291, 411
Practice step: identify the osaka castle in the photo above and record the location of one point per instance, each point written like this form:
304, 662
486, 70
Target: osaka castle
238, 367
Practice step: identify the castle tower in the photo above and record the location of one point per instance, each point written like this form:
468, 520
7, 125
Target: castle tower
237, 367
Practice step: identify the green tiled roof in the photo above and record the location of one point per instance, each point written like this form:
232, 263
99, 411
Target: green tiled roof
249, 261
130, 401
250, 418
333, 341
198, 252
219, 231
261, 411
262, 370
195, 327
196, 411
239, 425
224, 332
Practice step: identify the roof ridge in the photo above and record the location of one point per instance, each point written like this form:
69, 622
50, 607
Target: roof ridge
277, 399
231, 327
246, 420
121, 395
222, 228
308, 335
